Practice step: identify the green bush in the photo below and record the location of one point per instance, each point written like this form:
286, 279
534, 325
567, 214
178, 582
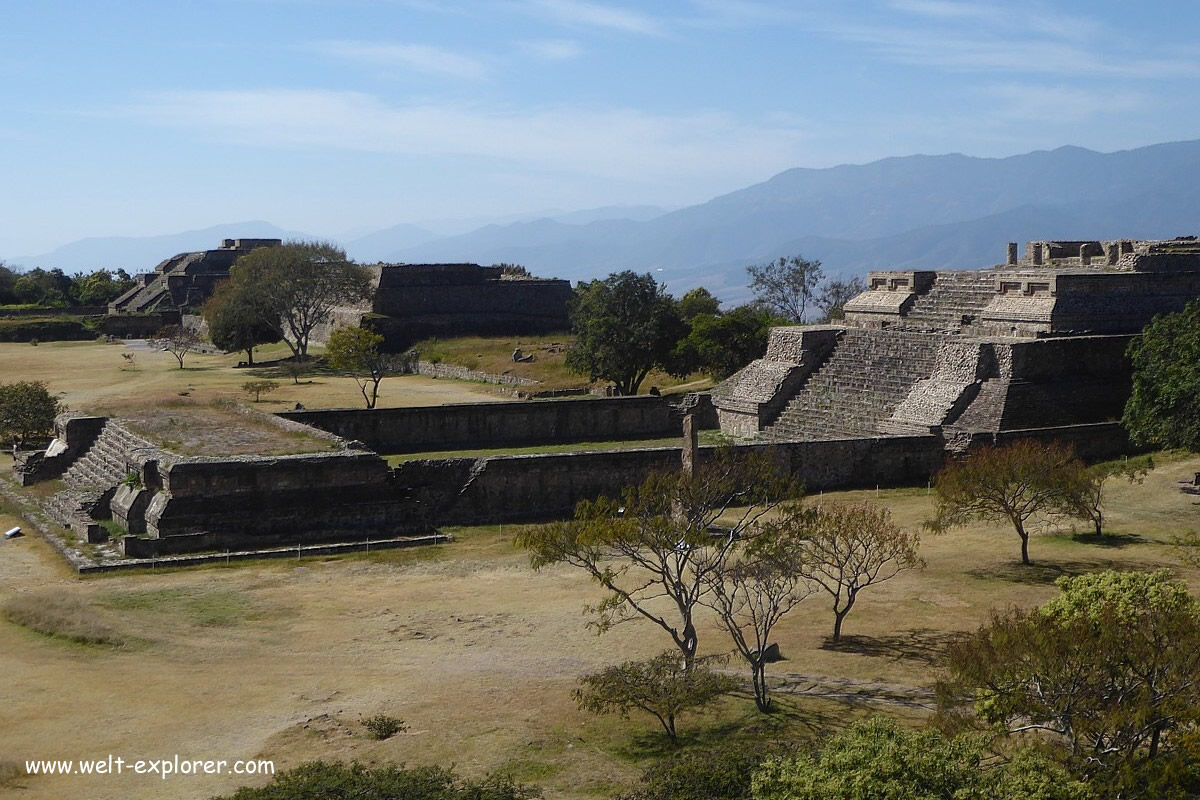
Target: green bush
321, 780
381, 726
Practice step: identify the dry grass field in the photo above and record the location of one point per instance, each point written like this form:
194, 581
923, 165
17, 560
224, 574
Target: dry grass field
90, 376
476, 652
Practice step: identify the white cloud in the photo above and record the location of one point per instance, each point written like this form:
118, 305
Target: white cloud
598, 15
419, 57
617, 143
552, 49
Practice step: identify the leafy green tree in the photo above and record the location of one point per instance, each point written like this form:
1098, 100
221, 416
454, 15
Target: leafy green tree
8, 279
299, 284
1109, 670
237, 320
356, 351
786, 285
656, 543
663, 687
850, 548
624, 326
721, 345
1164, 408
27, 411
876, 758
699, 301
325, 780
43, 287
1017, 483
835, 294
101, 287
752, 594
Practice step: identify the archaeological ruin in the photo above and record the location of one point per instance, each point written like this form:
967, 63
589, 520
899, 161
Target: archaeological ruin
924, 366
410, 302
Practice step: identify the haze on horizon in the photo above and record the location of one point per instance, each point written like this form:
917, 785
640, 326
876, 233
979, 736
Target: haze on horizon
331, 116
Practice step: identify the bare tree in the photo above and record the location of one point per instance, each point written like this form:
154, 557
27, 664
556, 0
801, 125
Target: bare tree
852, 547
835, 294
786, 285
178, 340
661, 541
753, 594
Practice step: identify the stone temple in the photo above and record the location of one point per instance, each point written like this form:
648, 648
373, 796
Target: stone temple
410, 301
1033, 346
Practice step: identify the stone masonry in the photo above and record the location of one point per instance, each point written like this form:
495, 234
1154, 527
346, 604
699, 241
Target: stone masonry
1033, 345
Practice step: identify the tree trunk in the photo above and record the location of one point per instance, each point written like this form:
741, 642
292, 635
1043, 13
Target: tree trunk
250, 356
687, 645
838, 616
761, 698
1024, 543
1098, 521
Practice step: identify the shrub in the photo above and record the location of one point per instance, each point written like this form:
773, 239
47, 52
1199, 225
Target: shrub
381, 726
259, 388
317, 780
62, 615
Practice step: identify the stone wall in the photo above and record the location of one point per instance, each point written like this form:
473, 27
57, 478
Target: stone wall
477, 425
545, 486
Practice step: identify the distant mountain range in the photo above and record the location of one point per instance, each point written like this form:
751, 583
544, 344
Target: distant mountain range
934, 212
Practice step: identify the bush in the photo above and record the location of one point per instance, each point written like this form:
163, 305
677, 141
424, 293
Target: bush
259, 388
381, 726
319, 780
61, 615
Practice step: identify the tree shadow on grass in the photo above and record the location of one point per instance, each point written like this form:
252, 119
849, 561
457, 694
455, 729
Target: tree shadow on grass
922, 645
1114, 540
787, 721
1047, 572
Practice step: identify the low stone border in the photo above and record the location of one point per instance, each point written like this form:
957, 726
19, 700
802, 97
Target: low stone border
83, 564
432, 370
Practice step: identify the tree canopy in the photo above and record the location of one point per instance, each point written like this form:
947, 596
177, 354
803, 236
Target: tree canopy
237, 320
27, 411
624, 326
1164, 408
659, 541
876, 758
299, 283
1109, 670
786, 285
358, 352
721, 344
1016, 483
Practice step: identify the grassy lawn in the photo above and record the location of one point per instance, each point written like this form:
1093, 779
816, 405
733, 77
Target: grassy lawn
494, 355
91, 376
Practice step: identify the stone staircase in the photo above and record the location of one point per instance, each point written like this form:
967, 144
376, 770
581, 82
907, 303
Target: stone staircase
854, 392
92, 479
955, 294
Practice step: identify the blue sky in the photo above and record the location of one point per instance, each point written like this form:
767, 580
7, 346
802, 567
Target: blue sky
331, 116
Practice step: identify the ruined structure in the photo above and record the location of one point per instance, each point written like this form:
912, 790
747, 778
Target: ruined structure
1035, 346
410, 302
183, 282
418, 301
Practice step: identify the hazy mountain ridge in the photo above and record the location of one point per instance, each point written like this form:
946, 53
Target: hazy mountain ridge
916, 211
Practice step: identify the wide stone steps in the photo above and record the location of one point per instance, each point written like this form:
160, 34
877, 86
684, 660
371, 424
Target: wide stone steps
866, 377
954, 295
